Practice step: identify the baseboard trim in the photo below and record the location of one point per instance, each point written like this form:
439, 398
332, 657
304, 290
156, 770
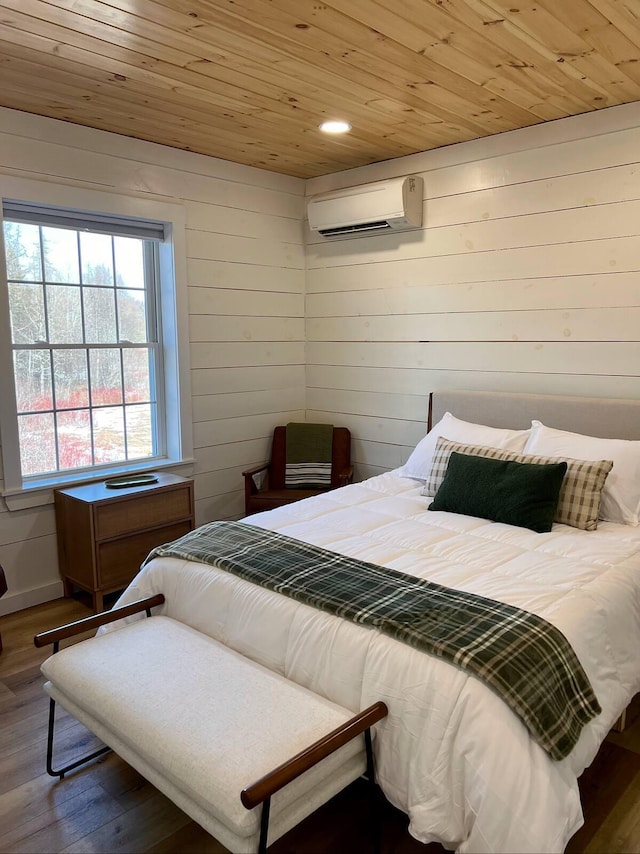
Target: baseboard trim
12, 602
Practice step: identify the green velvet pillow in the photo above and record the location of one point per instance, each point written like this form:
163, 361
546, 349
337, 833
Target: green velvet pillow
523, 494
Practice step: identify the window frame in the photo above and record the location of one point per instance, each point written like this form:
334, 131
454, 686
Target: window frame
175, 427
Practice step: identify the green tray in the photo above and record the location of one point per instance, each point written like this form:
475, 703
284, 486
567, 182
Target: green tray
130, 480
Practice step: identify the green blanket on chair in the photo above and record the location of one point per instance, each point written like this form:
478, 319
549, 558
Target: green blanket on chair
308, 460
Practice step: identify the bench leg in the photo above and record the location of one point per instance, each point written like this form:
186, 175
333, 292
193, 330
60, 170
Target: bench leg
86, 624
264, 826
371, 778
60, 772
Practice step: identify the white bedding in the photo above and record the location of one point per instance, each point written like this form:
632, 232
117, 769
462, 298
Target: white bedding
450, 754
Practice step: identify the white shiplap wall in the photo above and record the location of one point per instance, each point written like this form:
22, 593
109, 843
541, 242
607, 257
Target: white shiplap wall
525, 277
245, 269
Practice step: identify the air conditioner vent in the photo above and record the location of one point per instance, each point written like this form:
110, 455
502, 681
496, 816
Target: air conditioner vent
380, 225
392, 205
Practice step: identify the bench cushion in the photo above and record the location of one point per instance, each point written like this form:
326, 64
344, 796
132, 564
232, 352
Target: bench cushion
206, 718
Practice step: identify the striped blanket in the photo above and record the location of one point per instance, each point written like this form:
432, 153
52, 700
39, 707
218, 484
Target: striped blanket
523, 658
308, 455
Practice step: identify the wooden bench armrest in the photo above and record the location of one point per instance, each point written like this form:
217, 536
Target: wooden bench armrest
272, 782
88, 623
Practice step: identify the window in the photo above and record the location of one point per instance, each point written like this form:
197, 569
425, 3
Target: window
95, 385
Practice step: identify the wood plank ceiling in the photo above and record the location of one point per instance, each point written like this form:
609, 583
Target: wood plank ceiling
250, 80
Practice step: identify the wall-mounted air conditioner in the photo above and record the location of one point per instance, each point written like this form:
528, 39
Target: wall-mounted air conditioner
391, 205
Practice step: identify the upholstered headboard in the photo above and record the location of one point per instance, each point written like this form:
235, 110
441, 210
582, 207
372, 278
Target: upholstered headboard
608, 418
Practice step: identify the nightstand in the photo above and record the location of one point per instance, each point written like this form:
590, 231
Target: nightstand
105, 534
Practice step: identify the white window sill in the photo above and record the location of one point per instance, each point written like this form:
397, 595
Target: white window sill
39, 493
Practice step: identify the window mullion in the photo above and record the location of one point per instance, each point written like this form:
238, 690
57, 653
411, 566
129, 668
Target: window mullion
124, 405
92, 435
45, 299
155, 347
54, 407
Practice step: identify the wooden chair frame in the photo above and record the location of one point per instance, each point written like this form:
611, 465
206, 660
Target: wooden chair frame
274, 469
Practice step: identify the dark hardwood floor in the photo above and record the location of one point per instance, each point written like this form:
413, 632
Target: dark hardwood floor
109, 807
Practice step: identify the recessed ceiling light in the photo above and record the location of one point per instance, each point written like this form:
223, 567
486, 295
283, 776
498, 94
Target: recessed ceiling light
335, 127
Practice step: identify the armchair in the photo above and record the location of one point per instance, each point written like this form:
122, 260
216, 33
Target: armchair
274, 493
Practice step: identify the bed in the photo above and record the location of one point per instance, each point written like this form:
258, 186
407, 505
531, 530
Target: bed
451, 754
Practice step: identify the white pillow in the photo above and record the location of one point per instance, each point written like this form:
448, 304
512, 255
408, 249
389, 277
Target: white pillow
418, 465
621, 492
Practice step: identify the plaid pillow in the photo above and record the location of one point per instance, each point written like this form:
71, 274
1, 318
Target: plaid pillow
579, 501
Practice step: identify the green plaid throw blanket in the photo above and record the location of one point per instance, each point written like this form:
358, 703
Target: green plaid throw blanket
525, 659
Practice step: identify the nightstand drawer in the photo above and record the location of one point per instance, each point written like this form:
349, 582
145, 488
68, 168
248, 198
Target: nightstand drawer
119, 560
141, 511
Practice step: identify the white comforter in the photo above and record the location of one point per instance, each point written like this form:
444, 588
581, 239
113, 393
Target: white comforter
450, 754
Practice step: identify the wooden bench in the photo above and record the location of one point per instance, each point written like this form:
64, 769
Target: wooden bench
216, 732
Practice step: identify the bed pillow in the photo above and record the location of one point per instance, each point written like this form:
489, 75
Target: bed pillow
418, 465
522, 494
621, 493
581, 491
